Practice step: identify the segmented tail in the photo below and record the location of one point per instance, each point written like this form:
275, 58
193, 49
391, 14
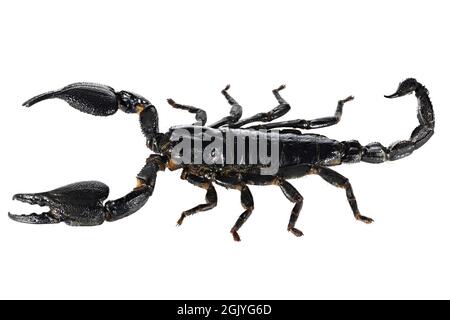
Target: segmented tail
375, 152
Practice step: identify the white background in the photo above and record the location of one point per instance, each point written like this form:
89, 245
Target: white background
189, 50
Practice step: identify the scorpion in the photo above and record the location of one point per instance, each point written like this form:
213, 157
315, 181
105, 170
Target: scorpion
300, 154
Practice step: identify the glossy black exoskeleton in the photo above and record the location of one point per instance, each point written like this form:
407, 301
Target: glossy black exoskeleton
299, 155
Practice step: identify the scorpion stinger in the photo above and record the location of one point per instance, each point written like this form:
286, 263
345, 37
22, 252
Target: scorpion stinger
423, 132
297, 154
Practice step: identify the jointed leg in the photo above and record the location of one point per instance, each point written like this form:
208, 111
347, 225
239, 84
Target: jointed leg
273, 114
308, 124
200, 114
247, 203
211, 196
289, 191
294, 196
235, 112
340, 181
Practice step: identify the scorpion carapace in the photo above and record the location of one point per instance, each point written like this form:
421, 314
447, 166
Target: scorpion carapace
300, 154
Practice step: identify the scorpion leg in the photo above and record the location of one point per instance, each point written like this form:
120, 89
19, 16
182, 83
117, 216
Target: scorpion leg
289, 190
235, 112
273, 114
340, 181
308, 124
211, 196
200, 114
236, 182
247, 203
294, 196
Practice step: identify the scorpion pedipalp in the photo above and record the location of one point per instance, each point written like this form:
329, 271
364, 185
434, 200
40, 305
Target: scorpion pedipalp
75, 204
92, 98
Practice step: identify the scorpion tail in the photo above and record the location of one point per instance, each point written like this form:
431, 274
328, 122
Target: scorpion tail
375, 152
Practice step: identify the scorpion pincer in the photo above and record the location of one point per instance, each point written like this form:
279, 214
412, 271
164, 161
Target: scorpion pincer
300, 154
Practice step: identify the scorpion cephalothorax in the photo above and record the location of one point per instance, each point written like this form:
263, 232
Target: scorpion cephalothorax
299, 154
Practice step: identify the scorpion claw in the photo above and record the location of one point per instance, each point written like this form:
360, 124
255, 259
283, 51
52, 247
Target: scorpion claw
34, 218
31, 198
75, 204
90, 98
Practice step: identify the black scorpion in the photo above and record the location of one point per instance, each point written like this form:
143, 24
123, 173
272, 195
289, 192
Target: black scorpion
81, 203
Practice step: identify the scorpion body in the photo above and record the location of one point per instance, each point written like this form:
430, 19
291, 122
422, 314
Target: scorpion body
299, 154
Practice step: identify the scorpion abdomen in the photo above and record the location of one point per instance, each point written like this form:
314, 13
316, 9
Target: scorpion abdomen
309, 149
